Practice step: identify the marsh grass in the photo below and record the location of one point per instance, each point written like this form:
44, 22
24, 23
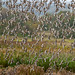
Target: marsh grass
23, 58
19, 56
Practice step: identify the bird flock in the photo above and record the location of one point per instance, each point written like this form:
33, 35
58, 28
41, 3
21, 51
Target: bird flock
40, 43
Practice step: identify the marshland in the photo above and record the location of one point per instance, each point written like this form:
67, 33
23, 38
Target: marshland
37, 37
